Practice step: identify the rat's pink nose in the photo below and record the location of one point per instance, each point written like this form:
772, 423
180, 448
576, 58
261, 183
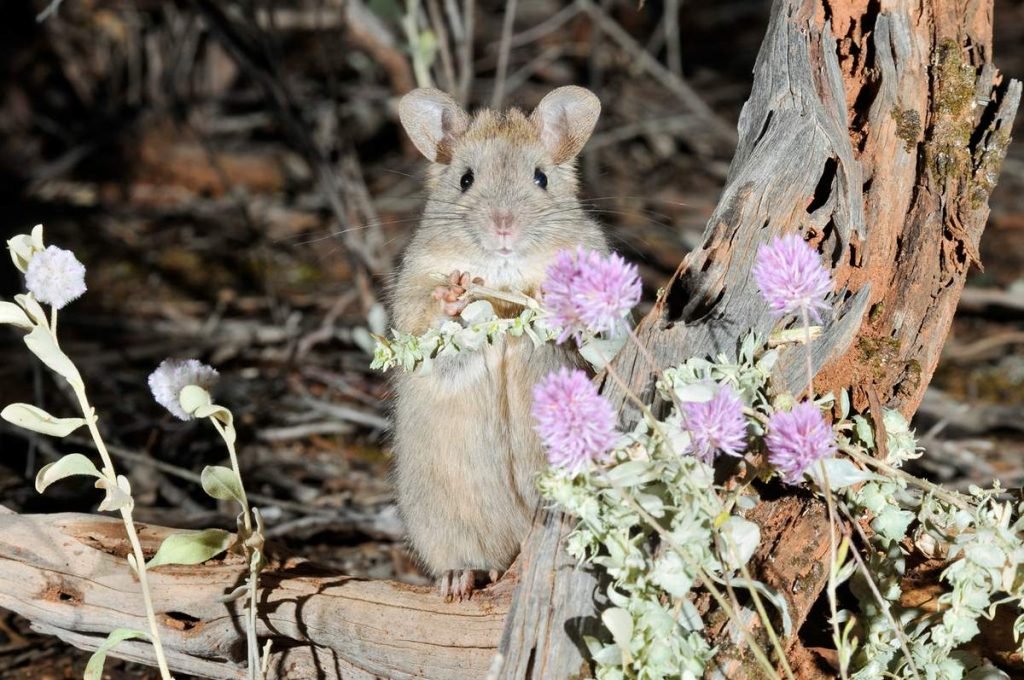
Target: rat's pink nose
503, 222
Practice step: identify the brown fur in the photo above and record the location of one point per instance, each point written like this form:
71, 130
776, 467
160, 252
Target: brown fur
465, 449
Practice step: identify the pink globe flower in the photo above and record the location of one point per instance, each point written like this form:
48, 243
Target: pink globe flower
791, 277
797, 440
575, 423
587, 293
717, 425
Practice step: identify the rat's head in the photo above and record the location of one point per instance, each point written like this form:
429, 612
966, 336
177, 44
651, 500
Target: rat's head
503, 183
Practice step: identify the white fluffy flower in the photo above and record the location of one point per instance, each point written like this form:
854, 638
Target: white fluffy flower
55, 277
174, 375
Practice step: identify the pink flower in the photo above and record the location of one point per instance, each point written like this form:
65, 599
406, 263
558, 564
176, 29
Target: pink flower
797, 440
587, 293
716, 425
791, 277
576, 424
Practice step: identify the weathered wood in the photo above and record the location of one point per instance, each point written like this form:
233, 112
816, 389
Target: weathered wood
67, 574
881, 146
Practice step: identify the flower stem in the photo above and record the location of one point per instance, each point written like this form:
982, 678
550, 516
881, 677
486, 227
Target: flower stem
830, 503
254, 671
833, 567
133, 538
233, 456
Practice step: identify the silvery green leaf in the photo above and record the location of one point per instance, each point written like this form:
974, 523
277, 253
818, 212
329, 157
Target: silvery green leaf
769, 594
651, 503
117, 496
601, 653
845, 572
67, 466
842, 472
218, 412
193, 397
221, 483
42, 344
94, 669
619, 623
32, 307
864, 431
598, 351
767, 362
14, 315
697, 392
377, 319
894, 421
892, 523
36, 419
844, 404
236, 594
671, 574
472, 338
740, 539
365, 341
193, 547
631, 473
746, 501
22, 251
689, 616
477, 311
37, 237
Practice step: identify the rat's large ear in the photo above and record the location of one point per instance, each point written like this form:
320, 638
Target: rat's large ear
433, 121
565, 118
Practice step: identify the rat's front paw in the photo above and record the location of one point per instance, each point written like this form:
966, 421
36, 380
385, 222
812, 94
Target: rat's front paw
459, 584
450, 294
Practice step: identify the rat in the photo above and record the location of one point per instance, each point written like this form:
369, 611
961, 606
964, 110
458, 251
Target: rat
501, 202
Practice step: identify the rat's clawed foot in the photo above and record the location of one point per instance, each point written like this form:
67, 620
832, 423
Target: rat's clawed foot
450, 293
459, 584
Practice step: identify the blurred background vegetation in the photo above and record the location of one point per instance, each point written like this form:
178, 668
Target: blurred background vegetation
234, 179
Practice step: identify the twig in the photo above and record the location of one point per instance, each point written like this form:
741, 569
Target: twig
674, 51
677, 86
503, 54
466, 70
444, 47
546, 27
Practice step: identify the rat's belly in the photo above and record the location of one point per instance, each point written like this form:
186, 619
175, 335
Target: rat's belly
466, 454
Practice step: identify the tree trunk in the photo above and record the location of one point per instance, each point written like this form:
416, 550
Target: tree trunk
877, 129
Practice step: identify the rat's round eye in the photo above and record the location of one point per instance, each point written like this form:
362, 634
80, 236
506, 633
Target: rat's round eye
540, 179
467, 181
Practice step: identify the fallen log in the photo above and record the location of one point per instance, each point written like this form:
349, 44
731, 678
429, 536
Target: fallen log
67, 574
